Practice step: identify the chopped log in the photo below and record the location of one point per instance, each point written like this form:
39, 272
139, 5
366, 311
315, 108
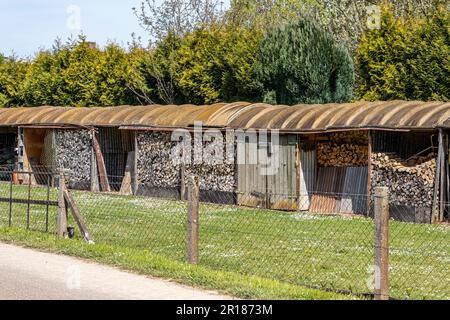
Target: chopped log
410, 183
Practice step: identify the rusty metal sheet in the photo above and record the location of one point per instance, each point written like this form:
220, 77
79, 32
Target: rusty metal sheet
391, 115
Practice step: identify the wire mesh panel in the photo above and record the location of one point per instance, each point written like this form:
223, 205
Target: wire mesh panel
329, 244
419, 259
156, 225
318, 250
25, 203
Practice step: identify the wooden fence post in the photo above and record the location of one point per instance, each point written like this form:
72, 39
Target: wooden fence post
192, 221
381, 208
62, 209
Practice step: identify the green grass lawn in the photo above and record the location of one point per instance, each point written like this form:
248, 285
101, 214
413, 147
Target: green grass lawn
299, 249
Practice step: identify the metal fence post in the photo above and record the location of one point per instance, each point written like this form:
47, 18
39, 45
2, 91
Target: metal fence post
192, 220
61, 224
381, 208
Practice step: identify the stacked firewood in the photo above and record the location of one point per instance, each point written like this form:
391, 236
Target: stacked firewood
157, 166
343, 149
341, 155
154, 161
352, 137
218, 177
73, 153
410, 182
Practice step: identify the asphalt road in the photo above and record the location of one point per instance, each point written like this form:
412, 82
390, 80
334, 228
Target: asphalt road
29, 274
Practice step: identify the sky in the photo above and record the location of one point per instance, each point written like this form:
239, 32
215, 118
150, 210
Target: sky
27, 25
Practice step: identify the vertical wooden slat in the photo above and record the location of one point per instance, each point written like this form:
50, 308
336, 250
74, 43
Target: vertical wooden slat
442, 178
297, 173
103, 176
126, 185
135, 174
62, 210
94, 168
369, 171
436, 207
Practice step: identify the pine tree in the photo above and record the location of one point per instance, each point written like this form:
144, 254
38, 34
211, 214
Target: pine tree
301, 63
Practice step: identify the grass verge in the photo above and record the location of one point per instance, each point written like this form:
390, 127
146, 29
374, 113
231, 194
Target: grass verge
144, 262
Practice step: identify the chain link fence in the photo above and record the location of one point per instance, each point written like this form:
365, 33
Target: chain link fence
332, 251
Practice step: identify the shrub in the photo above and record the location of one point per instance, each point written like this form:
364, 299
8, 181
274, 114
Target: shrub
301, 63
216, 65
12, 75
407, 58
77, 74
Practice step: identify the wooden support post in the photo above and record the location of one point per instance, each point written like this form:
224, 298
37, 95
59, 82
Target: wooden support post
297, 173
94, 170
134, 174
443, 177
369, 171
77, 216
126, 187
381, 206
62, 210
192, 221
437, 180
103, 175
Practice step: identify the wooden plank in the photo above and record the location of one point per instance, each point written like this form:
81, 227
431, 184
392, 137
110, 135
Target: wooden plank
369, 172
135, 173
62, 209
94, 170
126, 187
77, 216
103, 176
435, 210
297, 174
442, 194
30, 201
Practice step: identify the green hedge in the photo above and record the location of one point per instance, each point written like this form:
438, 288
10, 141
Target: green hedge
301, 63
407, 58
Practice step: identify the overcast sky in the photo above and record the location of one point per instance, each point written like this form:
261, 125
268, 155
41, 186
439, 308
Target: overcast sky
27, 25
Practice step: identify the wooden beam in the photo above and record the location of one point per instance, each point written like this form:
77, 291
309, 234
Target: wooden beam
437, 178
126, 187
369, 171
102, 174
62, 209
297, 172
442, 188
94, 170
134, 174
77, 216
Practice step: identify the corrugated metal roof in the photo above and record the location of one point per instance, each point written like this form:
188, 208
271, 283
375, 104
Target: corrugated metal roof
298, 118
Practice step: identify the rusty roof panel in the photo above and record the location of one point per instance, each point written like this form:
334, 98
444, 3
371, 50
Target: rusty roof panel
244, 115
